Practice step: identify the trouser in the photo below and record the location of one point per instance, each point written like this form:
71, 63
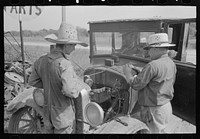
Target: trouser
49, 129
66, 130
156, 118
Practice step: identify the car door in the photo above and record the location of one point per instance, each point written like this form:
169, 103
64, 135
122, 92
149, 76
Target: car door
183, 34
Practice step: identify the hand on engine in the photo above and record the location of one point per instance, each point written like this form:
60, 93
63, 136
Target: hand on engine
127, 72
137, 69
91, 95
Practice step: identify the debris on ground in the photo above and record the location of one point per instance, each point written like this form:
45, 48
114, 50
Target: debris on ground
13, 83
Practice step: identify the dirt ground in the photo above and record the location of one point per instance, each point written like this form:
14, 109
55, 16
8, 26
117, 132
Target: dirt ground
176, 125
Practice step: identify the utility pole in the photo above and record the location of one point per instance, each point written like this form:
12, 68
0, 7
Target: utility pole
64, 14
22, 49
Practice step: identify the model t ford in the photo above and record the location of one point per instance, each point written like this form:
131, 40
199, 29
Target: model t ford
113, 44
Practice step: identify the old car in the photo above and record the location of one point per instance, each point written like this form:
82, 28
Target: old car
114, 43
109, 106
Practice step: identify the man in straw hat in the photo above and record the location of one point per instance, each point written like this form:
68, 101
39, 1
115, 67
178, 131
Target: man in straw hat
55, 74
155, 84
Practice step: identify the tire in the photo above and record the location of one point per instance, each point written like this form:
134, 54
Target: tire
142, 131
19, 117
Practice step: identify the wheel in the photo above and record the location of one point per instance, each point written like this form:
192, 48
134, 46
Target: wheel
142, 131
25, 120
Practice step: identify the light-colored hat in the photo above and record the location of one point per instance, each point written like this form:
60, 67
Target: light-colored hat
159, 40
67, 34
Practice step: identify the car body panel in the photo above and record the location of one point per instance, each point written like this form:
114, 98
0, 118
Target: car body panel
116, 127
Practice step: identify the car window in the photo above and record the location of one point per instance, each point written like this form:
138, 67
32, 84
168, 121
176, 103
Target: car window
133, 43
124, 43
187, 49
191, 45
170, 32
102, 43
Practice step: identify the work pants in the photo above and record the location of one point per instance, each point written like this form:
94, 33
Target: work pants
156, 118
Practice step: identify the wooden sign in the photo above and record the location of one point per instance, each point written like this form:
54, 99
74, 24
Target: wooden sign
27, 12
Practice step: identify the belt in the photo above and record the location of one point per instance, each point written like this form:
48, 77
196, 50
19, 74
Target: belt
142, 106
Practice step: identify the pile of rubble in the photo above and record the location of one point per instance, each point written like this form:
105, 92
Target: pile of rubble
14, 79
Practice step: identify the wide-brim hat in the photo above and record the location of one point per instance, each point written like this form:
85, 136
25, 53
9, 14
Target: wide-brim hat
67, 34
159, 40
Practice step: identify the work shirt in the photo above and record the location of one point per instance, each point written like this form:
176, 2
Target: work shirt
155, 82
55, 74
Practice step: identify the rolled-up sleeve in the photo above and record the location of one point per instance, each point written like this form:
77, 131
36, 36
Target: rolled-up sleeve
34, 79
72, 84
143, 78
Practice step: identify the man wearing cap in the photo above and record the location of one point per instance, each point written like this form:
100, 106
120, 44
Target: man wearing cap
55, 74
155, 84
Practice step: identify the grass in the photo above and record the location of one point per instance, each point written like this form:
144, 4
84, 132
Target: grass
40, 39
79, 57
31, 52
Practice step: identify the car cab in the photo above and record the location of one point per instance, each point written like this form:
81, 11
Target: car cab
118, 42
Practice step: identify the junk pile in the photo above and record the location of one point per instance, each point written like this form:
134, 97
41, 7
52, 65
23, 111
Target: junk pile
14, 79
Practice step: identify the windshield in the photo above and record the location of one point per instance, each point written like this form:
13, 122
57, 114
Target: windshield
123, 43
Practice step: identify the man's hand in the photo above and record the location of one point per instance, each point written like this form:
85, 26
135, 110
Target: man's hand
91, 95
137, 69
128, 72
172, 53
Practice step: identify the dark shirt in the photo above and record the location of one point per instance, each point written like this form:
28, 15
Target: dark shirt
55, 74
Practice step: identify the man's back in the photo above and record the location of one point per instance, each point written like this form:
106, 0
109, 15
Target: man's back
160, 89
47, 75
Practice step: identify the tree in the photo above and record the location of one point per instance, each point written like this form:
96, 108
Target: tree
81, 32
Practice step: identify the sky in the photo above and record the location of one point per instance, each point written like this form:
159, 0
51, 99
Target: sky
51, 16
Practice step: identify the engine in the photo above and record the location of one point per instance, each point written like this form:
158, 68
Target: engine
109, 88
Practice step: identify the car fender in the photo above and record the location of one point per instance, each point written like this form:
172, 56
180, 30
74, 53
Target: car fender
115, 127
25, 98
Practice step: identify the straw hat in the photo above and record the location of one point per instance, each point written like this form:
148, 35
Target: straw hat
159, 40
67, 34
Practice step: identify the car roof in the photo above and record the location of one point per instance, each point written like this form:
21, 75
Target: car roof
143, 19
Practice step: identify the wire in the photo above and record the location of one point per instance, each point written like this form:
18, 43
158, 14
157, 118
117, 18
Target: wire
77, 65
11, 44
16, 42
96, 73
13, 37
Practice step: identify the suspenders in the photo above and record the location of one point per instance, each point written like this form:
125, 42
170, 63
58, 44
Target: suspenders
48, 74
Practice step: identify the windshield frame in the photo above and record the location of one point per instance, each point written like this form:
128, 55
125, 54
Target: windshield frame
137, 26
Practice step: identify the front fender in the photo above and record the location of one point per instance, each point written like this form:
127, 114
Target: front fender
115, 127
25, 98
